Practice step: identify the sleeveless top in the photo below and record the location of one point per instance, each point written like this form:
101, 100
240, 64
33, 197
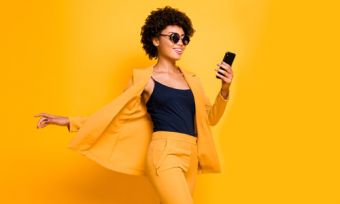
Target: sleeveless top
172, 109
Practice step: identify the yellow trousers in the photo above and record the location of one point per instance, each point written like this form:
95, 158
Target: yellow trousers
171, 166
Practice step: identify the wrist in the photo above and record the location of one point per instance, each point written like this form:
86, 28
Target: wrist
224, 93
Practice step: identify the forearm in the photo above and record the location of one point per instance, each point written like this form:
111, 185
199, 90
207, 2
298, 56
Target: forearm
225, 94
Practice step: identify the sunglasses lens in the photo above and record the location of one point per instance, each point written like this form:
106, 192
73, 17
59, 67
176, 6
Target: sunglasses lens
174, 37
186, 40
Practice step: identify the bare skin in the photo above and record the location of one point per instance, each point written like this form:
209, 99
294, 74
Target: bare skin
165, 71
48, 119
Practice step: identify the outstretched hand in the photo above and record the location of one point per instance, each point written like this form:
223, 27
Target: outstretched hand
51, 119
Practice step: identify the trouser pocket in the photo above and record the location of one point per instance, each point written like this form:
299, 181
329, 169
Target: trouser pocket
172, 154
158, 151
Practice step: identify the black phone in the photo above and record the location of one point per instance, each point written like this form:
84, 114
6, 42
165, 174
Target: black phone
228, 58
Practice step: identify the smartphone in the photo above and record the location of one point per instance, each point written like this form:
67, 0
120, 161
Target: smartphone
228, 58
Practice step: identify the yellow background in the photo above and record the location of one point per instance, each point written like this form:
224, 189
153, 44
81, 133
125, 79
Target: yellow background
279, 136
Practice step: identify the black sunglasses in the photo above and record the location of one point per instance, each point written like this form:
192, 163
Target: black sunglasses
175, 37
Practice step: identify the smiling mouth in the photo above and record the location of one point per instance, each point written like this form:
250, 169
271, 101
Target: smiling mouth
179, 51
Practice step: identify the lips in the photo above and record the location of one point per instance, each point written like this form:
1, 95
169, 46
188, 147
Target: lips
178, 50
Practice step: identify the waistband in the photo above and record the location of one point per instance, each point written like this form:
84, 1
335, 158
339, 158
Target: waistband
174, 135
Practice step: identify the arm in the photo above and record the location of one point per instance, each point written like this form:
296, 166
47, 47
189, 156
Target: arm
216, 110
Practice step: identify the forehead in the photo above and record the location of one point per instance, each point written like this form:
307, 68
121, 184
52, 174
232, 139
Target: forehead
173, 28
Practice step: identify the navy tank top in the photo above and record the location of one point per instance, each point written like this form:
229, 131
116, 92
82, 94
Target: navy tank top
172, 109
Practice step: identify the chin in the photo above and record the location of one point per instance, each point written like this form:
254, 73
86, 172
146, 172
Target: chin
173, 57
176, 57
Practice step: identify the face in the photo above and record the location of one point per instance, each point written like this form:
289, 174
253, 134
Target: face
167, 48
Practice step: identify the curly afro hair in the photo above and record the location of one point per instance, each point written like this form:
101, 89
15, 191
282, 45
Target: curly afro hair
157, 21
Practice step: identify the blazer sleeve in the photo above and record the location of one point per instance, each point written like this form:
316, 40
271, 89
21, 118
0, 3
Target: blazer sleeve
215, 110
75, 122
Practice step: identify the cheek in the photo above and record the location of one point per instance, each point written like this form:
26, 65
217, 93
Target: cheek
166, 47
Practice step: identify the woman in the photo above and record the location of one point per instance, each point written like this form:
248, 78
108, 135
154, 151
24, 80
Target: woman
180, 143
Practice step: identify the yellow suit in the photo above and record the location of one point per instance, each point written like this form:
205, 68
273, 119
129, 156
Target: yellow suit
117, 135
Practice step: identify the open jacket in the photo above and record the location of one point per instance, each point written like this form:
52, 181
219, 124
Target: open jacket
117, 135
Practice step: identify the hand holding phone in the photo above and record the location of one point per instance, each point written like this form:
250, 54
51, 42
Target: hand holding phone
228, 58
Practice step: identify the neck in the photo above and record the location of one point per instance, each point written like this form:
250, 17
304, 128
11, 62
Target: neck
166, 66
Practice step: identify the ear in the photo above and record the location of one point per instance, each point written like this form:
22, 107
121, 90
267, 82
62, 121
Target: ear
155, 41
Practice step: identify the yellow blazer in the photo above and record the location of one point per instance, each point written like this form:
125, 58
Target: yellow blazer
117, 135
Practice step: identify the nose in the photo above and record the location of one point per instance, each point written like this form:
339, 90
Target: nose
180, 42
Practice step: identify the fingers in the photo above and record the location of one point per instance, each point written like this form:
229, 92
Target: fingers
42, 122
47, 115
224, 72
45, 120
225, 66
226, 78
40, 114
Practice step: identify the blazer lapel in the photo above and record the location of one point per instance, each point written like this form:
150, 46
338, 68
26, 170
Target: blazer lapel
191, 79
197, 91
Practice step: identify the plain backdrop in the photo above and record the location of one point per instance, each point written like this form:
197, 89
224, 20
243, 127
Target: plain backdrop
279, 136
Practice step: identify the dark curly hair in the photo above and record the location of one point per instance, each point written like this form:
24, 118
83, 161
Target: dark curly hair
157, 21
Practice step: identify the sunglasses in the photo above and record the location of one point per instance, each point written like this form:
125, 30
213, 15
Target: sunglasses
175, 37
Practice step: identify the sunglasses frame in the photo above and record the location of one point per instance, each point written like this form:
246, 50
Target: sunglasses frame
174, 34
